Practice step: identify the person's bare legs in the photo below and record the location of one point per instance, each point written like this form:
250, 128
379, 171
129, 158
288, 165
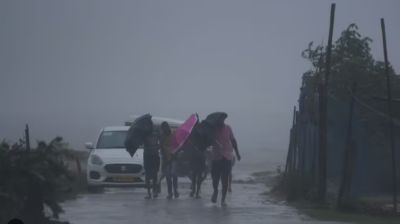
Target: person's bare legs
224, 180
159, 180
148, 186
216, 175
225, 172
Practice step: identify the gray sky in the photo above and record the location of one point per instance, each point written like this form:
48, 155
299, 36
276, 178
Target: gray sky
71, 67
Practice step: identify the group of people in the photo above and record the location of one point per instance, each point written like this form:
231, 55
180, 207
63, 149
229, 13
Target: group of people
151, 158
223, 149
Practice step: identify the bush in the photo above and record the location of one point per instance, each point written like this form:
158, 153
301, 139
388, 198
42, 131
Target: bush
32, 181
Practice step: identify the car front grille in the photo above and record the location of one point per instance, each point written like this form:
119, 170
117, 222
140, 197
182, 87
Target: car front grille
123, 180
123, 168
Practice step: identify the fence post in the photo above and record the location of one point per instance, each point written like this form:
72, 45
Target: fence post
78, 165
27, 140
289, 156
295, 142
323, 96
391, 127
348, 152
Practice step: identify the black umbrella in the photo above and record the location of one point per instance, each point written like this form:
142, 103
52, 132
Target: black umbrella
216, 118
205, 134
137, 133
208, 127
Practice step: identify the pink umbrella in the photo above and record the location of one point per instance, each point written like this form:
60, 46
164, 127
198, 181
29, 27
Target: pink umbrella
182, 133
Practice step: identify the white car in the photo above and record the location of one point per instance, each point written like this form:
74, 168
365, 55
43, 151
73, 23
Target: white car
109, 164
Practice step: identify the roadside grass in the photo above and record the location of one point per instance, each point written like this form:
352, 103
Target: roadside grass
335, 215
315, 211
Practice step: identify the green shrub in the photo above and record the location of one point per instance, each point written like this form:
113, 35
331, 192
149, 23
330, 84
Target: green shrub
31, 181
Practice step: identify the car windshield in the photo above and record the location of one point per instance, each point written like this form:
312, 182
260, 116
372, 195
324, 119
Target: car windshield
111, 139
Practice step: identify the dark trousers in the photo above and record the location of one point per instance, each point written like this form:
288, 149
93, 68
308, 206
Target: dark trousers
172, 182
151, 168
169, 170
220, 170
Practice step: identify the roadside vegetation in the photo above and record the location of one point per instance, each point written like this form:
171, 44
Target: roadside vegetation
33, 183
355, 76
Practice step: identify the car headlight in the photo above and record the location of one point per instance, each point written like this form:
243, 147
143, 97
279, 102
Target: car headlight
96, 160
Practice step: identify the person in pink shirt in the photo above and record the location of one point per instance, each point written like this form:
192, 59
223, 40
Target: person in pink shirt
223, 147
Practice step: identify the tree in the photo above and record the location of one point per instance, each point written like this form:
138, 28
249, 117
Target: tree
351, 61
31, 181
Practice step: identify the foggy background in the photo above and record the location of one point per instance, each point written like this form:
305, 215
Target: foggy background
69, 68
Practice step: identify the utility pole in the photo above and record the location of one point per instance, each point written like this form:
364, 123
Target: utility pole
391, 126
348, 162
323, 102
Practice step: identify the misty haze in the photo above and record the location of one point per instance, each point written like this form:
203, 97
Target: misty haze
83, 71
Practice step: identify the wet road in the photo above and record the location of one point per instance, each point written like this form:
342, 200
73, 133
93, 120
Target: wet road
246, 204
124, 205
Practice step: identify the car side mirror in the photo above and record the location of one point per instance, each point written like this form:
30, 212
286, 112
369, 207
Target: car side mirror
89, 145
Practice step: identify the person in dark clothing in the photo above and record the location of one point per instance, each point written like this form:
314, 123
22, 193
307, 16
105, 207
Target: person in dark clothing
225, 144
151, 160
168, 161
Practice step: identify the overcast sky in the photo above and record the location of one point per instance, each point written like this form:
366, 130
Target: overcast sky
71, 67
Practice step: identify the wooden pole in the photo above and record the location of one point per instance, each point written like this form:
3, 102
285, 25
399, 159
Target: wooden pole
329, 48
27, 140
323, 96
391, 126
314, 158
295, 143
289, 153
303, 132
290, 149
348, 154
78, 165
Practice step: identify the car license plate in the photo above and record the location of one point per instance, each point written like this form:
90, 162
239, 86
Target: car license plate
124, 179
